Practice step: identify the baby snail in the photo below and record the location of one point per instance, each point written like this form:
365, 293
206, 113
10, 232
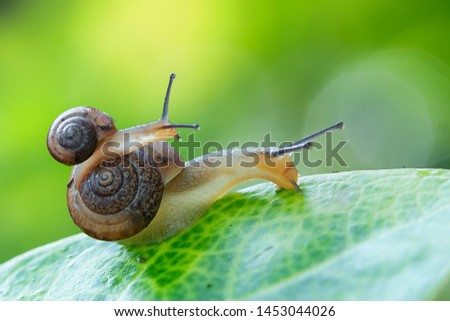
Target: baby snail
131, 185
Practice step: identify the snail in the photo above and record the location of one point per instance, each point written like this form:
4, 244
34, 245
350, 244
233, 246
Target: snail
132, 185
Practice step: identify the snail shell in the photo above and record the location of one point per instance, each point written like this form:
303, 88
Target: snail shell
74, 135
119, 198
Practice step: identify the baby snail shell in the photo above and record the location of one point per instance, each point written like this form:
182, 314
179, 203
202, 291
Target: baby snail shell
74, 135
133, 186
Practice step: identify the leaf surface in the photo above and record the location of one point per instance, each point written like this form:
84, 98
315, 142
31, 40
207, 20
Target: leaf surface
367, 235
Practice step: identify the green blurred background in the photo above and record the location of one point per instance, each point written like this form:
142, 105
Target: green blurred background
244, 68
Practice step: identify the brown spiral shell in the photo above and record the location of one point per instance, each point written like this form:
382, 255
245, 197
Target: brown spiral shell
74, 135
119, 198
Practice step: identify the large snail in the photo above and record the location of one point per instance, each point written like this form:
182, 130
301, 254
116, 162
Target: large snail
131, 184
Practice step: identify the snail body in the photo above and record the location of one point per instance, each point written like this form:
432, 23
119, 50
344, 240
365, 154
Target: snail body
131, 185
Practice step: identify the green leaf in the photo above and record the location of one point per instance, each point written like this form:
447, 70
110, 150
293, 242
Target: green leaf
349, 236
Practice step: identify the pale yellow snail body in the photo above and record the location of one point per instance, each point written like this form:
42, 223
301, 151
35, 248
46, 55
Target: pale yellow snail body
132, 185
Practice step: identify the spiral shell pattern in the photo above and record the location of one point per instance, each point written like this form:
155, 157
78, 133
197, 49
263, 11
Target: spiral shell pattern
118, 198
74, 135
